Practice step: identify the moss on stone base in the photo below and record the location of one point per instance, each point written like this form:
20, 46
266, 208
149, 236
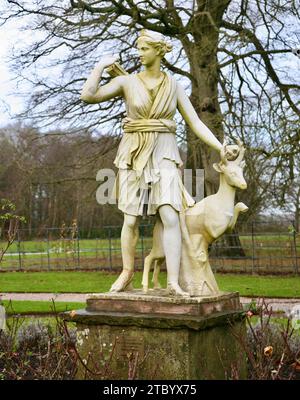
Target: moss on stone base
152, 347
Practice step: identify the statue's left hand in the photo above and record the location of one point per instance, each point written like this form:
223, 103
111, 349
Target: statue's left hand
231, 152
107, 61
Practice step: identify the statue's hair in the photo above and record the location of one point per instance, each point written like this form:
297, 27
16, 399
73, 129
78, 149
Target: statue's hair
156, 40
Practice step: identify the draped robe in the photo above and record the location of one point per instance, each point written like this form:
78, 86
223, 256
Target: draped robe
148, 157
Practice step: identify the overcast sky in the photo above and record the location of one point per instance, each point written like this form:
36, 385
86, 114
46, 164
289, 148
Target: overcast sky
10, 102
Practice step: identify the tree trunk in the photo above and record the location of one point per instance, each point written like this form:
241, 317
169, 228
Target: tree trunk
202, 55
230, 246
297, 210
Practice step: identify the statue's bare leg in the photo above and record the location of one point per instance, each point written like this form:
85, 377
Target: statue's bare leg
129, 238
172, 247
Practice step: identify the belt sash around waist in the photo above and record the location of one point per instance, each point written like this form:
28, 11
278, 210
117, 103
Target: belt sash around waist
148, 125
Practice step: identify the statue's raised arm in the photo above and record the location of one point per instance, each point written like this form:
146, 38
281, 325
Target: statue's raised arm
93, 93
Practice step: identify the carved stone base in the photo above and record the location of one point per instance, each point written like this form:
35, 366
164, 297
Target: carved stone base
153, 336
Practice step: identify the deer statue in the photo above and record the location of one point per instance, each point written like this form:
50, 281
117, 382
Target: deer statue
202, 224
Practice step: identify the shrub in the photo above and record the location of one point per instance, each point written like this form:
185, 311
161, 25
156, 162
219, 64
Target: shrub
37, 351
272, 348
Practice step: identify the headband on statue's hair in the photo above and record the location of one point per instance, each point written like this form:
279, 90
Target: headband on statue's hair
155, 37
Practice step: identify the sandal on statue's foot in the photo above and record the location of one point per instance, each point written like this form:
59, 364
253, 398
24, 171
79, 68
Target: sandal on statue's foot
123, 282
175, 290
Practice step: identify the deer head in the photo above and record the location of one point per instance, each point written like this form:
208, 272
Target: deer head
232, 164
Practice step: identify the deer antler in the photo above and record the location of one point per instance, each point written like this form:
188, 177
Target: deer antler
223, 151
241, 152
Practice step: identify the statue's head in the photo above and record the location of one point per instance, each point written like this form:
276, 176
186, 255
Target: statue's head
152, 45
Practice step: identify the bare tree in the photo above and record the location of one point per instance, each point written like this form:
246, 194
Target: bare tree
51, 178
287, 198
231, 54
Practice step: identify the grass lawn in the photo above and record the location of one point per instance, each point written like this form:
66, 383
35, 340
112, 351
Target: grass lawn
266, 286
93, 282
27, 307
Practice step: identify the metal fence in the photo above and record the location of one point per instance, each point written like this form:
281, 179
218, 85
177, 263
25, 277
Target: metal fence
256, 248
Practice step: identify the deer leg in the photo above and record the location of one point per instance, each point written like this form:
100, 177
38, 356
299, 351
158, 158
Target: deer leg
147, 266
155, 253
157, 265
155, 275
238, 208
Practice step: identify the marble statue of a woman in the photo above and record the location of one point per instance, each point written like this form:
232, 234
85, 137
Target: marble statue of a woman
148, 159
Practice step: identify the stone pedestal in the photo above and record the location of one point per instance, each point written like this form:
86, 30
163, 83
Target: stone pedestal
152, 336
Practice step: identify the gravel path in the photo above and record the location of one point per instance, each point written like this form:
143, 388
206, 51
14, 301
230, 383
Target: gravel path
285, 305
277, 304
69, 297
